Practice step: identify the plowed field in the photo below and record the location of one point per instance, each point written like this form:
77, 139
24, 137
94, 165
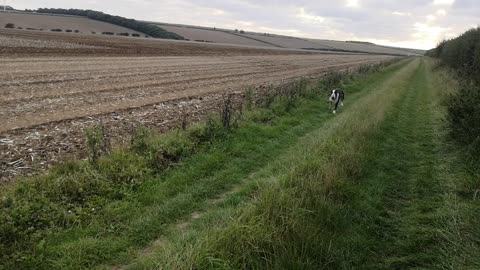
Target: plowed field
48, 98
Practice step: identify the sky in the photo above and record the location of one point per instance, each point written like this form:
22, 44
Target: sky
417, 24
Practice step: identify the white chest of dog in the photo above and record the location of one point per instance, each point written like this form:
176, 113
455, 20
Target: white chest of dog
337, 97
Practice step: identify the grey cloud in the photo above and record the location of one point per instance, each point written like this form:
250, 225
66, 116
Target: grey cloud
371, 20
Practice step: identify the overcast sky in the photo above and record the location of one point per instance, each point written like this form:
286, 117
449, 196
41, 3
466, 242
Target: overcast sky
405, 23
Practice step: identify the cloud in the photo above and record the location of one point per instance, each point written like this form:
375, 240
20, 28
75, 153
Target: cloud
309, 18
443, 2
441, 12
418, 23
352, 3
398, 13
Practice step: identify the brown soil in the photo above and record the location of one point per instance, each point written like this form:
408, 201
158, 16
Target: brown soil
71, 44
47, 102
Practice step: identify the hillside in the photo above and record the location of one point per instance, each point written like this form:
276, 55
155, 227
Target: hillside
218, 35
94, 22
48, 22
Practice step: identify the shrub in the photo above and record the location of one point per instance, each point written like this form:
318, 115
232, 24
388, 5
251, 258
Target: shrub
10, 25
98, 142
56, 30
161, 151
201, 133
135, 35
462, 54
227, 111
123, 34
68, 31
108, 33
464, 117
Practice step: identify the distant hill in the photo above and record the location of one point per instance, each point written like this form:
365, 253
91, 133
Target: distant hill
81, 21
360, 42
240, 37
89, 21
139, 26
49, 22
2, 7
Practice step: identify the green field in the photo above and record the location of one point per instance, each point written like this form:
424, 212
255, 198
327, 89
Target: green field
377, 186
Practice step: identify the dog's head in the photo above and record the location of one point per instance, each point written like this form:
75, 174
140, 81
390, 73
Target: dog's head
333, 96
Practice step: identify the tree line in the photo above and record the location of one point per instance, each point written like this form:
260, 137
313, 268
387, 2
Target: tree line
146, 28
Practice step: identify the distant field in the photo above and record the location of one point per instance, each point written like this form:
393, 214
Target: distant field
44, 43
63, 23
288, 42
49, 22
197, 33
350, 46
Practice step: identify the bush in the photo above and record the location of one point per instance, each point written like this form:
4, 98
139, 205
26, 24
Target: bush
108, 33
10, 25
56, 30
135, 35
160, 151
464, 117
98, 143
123, 34
462, 54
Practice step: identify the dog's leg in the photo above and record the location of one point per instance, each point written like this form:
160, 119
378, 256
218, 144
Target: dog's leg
336, 106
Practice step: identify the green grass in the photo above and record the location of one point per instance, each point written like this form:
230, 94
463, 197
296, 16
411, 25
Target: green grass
379, 187
293, 199
81, 215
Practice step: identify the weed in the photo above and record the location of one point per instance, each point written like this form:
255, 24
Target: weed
98, 142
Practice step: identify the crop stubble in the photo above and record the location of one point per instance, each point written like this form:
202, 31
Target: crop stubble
46, 102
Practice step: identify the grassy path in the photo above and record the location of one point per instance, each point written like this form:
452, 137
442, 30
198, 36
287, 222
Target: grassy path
405, 166
419, 176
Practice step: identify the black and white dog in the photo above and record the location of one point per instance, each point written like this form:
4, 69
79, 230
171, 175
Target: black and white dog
336, 98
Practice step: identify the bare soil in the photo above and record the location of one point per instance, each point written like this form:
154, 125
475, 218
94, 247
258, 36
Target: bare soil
73, 44
47, 100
